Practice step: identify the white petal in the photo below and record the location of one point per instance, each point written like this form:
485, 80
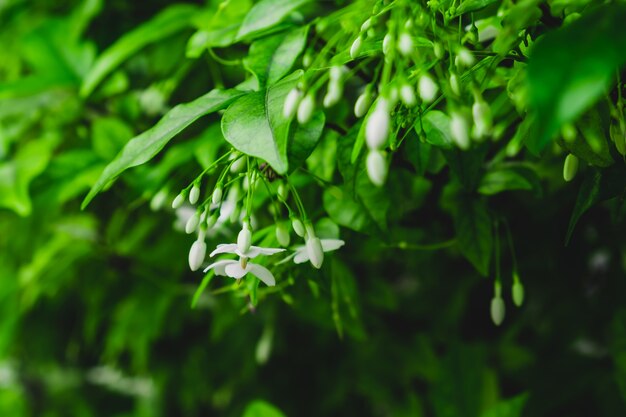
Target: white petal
220, 266
224, 248
234, 270
256, 251
331, 244
263, 274
301, 256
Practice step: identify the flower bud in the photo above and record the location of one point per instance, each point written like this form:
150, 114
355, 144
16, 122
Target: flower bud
178, 201
464, 58
244, 239
438, 50
216, 198
194, 194
158, 200
459, 129
210, 222
569, 132
497, 310
363, 103
454, 84
376, 167
282, 234
427, 88
618, 138
305, 109
297, 226
291, 103
315, 251
282, 192
356, 47
366, 25
197, 254
405, 44
518, 293
387, 40
377, 127
482, 118
307, 59
192, 223
238, 166
407, 94
333, 95
570, 167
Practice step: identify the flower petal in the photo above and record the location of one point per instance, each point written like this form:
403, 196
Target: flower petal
331, 244
301, 255
220, 266
263, 274
224, 248
255, 251
234, 270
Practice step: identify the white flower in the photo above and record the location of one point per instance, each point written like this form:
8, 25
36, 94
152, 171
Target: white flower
238, 269
315, 251
427, 88
377, 127
301, 253
244, 239
252, 252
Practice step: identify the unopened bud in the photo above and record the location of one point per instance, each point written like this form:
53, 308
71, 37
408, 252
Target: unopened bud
282, 234
518, 293
197, 254
387, 40
454, 84
356, 47
618, 138
178, 201
376, 167
497, 310
157, 202
377, 127
405, 44
291, 103
238, 166
363, 103
192, 223
282, 192
244, 239
297, 226
333, 95
482, 118
366, 25
427, 88
570, 167
194, 194
459, 129
407, 94
216, 198
305, 109
438, 50
464, 58
210, 222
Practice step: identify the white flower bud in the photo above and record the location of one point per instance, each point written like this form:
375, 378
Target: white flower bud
366, 25
216, 198
282, 234
244, 239
291, 103
570, 167
298, 227
282, 192
210, 222
387, 43
238, 166
363, 103
518, 293
333, 95
194, 194
464, 58
307, 59
438, 50
305, 109
497, 310
454, 84
192, 223
377, 127
178, 201
407, 94
376, 167
197, 254
459, 129
336, 72
156, 203
315, 251
482, 118
356, 47
405, 44
427, 88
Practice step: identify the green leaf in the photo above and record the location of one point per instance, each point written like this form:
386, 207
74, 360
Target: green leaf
599, 185
144, 147
266, 14
511, 407
467, 166
507, 179
472, 5
255, 125
260, 408
436, 126
571, 68
270, 58
172, 20
472, 223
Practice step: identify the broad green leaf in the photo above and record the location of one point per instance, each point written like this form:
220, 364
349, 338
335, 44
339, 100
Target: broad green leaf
144, 147
472, 5
591, 144
472, 223
467, 166
436, 126
109, 135
266, 14
260, 408
571, 68
172, 20
598, 185
270, 58
507, 179
511, 407
255, 125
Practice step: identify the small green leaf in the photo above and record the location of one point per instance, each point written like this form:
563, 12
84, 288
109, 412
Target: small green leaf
472, 5
436, 126
511, 407
272, 57
172, 20
472, 223
266, 14
508, 179
571, 68
260, 408
144, 147
256, 126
